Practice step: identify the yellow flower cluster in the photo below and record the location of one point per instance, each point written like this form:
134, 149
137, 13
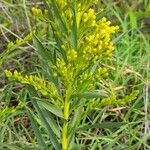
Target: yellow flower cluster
61, 67
64, 70
46, 88
71, 55
13, 45
113, 101
86, 79
36, 11
61, 3
98, 44
6, 111
101, 72
94, 43
90, 17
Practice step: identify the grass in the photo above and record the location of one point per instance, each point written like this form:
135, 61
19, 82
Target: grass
129, 70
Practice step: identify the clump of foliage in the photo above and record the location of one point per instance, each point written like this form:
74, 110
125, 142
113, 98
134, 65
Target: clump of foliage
73, 65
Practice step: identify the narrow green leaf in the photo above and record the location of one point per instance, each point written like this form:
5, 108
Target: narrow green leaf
50, 119
58, 16
48, 106
90, 95
37, 133
52, 20
133, 19
119, 37
50, 131
50, 16
42, 51
75, 121
74, 29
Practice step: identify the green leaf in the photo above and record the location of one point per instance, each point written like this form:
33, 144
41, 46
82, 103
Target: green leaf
49, 117
75, 121
58, 16
90, 95
42, 51
36, 130
41, 114
46, 57
120, 36
52, 21
133, 19
74, 29
48, 106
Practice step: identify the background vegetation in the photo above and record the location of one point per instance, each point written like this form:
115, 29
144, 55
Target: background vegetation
129, 70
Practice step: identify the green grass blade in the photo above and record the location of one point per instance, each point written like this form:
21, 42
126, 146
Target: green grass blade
37, 133
8, 147
108, 125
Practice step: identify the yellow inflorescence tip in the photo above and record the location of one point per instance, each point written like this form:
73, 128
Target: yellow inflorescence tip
36, 11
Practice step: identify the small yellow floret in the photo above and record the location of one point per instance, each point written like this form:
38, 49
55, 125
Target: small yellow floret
36, 11
71, 55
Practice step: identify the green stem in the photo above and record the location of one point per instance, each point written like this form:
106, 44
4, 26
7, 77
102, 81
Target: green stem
65, 144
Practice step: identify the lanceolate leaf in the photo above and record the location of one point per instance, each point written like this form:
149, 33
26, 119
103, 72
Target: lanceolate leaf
42, 51
48, 106
52, 20
49, 117
37, 133
47, 58
74, 29
41, 114
90, 95
58, 16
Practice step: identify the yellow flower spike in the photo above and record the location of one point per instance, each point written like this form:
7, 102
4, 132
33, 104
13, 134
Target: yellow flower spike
99, 47
97, 35
103, 31
95, 42
108, 23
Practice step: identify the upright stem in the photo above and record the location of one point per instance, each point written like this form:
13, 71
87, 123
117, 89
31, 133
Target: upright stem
65, 145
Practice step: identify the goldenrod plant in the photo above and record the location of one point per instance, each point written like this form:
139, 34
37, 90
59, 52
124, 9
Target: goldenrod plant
74, 64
